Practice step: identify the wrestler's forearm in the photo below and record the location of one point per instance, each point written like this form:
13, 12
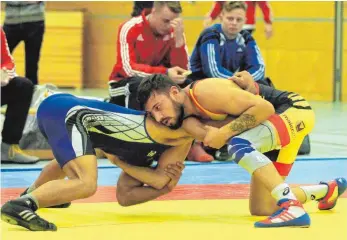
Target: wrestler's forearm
251, 118
154, 178
142, 194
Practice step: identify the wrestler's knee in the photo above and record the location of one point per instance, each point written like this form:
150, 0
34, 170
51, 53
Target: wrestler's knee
88, 187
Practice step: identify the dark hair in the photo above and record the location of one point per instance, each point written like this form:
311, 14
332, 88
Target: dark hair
174, 6
157, 82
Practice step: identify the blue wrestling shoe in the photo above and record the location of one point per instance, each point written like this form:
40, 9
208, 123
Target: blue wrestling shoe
336, 188
291, 214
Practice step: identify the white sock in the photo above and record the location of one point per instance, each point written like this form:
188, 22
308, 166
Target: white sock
282, 191
315, 192
31, 188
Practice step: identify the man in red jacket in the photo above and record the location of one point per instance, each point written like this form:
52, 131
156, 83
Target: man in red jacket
148, 44
250, 15
16, 93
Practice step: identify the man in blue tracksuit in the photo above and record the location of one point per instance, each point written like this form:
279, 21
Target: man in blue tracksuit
223, 49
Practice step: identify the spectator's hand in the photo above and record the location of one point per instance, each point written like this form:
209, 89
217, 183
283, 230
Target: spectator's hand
245, 81
177, 75
4, 77
207, 21
268, 30
174, 171
178, 29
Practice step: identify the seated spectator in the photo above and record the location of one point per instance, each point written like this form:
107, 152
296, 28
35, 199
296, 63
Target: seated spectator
250, 16
225, 48
148, 44
16, 93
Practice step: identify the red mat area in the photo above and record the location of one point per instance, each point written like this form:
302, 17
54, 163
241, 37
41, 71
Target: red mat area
181, 192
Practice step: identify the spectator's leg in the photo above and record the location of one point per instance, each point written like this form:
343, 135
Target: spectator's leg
17, 96
124, 92
13, 35
33, 41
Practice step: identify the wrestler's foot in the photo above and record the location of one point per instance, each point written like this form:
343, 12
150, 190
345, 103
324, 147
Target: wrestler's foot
198, 154
64, 205
336, 188
291, 214
18, 212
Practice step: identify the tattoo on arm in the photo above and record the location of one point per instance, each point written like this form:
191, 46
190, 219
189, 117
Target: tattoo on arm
243, 123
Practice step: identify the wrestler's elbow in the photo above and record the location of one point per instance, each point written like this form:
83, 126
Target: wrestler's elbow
160, 183
124, 197
124, 202
266, 108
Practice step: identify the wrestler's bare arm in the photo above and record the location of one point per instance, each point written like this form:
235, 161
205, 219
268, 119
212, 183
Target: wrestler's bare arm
251, 109
155, 178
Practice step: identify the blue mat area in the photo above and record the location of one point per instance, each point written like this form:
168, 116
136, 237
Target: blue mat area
306, 172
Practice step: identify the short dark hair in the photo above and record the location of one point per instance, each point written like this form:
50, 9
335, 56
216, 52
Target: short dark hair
157, 82
174, 6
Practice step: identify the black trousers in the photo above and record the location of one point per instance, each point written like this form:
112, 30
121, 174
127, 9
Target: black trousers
32, 35
124, 92
17, 95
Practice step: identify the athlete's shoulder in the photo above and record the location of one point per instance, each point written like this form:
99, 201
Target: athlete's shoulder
164, 135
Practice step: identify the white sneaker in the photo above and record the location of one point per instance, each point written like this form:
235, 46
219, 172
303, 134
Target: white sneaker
11, 153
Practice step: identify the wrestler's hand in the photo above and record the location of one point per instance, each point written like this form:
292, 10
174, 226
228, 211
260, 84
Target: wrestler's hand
174, 171
245, 81
215, 137
176, 74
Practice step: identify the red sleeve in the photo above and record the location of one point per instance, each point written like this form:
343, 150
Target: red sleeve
127, 57
179, 56
216, 10
265, 8
6, 57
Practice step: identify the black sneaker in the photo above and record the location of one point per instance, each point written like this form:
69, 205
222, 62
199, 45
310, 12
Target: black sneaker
64, 205
17, 213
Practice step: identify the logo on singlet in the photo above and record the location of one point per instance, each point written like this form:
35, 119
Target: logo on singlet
300, 126
291, 127
286, 191
151, 153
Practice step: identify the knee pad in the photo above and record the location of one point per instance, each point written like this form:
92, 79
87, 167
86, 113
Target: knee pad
238, 147
244, 154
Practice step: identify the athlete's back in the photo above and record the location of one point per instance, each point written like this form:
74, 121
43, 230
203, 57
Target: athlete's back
86, 124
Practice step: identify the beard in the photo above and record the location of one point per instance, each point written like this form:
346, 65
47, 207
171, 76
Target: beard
180, 116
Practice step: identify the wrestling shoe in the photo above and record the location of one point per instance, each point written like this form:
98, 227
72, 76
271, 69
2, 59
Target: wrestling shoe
18, 212
64, 205
291, 214
336, 188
